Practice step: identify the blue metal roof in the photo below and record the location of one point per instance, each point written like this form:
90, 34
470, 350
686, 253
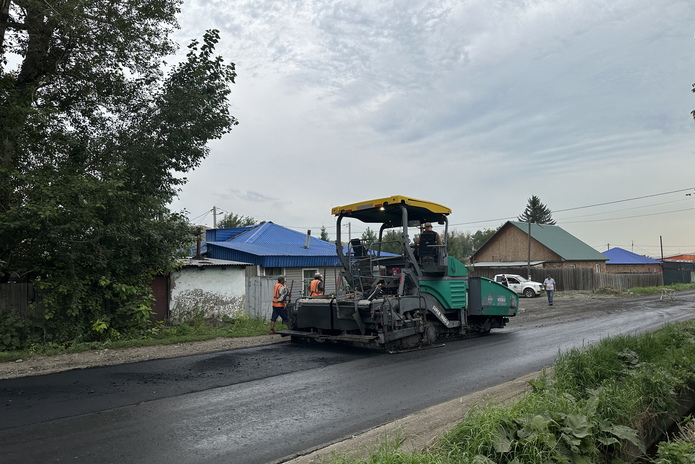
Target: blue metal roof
621, 256
221, 235
272, 245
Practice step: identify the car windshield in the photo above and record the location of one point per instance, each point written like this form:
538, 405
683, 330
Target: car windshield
521, 279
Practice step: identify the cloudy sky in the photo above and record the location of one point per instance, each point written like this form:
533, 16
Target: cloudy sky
474, 104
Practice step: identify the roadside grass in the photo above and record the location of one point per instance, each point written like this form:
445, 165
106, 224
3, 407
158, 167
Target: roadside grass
650, 290
643, 290
196, 329
591, 408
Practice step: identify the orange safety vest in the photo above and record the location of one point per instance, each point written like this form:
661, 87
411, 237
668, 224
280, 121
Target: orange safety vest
314, 289
276, 296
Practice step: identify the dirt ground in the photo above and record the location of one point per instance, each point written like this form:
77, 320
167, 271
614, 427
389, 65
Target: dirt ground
533, 310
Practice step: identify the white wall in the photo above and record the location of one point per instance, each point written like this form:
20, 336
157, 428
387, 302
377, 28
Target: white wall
209, 291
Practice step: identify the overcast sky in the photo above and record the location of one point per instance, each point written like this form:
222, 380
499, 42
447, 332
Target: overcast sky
474, 104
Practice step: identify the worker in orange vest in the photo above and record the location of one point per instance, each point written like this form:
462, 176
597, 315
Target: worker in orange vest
316, 285
281, 296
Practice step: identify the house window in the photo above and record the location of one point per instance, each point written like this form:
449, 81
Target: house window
598, 269
273, 271
308, 276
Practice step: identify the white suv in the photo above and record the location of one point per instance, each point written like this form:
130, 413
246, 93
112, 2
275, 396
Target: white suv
520, 285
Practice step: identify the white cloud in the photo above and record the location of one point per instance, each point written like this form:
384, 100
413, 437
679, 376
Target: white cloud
477, 105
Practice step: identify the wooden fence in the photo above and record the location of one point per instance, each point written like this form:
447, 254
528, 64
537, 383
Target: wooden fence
626, 281
17, 298
581, 278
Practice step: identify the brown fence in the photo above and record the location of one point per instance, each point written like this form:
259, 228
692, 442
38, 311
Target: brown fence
626, 281
17, 298
581, 278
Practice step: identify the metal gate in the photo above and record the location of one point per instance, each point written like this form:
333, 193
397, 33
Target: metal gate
259, 297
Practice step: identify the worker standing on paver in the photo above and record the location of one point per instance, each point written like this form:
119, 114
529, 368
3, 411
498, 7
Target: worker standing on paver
316, 285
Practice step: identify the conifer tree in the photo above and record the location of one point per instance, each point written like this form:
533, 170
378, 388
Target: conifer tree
536, 212
324, 234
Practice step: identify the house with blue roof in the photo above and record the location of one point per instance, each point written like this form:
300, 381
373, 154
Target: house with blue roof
621, 261
274, 250
550, 246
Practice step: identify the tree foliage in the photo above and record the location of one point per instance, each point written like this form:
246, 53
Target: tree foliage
536, 212
391, 241
92, 136
462, 245
232, 221
324, 234
368, 237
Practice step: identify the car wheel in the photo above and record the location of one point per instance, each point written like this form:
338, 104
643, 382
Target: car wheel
529, 293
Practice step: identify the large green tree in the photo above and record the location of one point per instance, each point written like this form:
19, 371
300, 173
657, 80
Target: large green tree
232, 221
392, 241
368, 237
462, 245
536, 212
93, 134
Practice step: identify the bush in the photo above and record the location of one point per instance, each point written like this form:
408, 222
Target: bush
589, 410
17, 332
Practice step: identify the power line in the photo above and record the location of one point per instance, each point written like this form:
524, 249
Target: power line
359, 228
580, 207
627, 199
634, 207
201, 217
629, 217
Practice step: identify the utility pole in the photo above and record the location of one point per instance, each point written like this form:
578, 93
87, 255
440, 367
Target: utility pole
661, 243
214, 217
528, 262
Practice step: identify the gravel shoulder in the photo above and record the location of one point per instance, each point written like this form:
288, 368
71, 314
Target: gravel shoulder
568, 305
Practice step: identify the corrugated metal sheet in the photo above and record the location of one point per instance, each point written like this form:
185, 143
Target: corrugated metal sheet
688, 257
205, 262
561, 242
621, 256
221, 235
225, 252
272, 245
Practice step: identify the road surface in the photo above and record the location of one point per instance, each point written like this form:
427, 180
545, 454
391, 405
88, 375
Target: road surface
271, 403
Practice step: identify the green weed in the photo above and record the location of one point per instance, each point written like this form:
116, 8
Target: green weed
196, 329
588, 410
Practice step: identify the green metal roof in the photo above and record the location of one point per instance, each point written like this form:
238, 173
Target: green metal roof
561, 242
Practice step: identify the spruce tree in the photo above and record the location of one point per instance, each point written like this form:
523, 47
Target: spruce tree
536, 212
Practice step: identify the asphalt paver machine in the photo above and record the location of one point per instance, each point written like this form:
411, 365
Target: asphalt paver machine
412, 296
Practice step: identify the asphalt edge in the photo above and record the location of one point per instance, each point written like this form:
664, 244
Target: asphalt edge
417, 431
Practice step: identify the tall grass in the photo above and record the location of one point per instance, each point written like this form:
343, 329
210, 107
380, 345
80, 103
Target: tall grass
588, 410
652, 290
196, 329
